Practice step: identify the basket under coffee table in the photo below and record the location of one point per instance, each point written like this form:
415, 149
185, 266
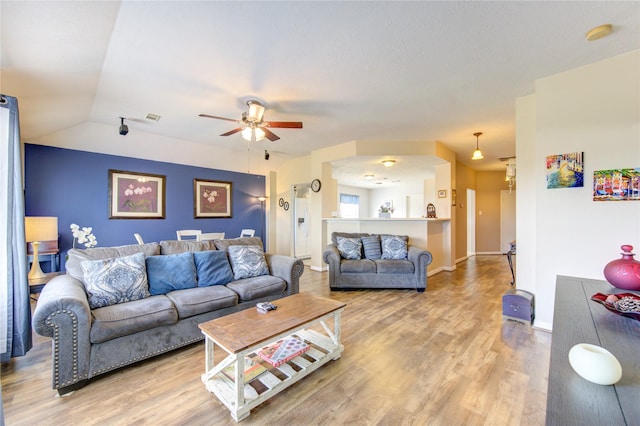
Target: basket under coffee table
242, 334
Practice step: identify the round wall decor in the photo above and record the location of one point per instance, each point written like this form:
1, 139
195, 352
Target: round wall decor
316, 185
281, 202
286, 205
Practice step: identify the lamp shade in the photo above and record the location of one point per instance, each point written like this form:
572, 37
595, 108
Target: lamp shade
41, 228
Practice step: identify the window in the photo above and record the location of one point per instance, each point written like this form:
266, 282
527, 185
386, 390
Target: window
350, 206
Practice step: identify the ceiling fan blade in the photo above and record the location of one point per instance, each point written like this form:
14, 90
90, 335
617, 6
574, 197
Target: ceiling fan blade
218, 118
231, 132
285, 124
270, 135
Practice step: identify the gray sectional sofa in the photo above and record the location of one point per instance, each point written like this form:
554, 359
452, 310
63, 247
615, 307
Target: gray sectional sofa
353, 266
88, 341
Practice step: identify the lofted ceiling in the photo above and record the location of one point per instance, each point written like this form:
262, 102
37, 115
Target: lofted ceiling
391, 71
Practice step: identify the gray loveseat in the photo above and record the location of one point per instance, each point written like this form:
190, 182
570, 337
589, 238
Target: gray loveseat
367, 269
88, 342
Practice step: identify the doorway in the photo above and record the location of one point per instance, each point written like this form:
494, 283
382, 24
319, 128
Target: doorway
507, 219
300, 194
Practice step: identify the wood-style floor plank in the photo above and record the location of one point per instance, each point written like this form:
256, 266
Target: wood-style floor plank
443, 357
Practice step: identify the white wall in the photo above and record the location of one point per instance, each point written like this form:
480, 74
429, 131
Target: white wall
596, 110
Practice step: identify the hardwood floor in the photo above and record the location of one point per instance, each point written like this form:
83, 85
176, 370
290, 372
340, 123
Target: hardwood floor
443, 357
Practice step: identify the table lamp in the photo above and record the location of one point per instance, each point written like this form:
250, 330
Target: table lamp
38, 229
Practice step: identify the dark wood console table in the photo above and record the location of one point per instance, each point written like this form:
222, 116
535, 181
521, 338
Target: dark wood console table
572, 400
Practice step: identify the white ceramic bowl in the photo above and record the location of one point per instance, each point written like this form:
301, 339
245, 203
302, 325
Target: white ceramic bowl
595, 364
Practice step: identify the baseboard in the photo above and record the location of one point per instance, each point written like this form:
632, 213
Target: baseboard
488, 252
319, 268
440, 269
462, 259
542, 325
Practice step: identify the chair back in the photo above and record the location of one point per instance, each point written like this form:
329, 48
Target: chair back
138, 238
210, 236
181, 233
247, 233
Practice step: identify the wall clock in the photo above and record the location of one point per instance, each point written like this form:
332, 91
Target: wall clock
281, 202
316, 185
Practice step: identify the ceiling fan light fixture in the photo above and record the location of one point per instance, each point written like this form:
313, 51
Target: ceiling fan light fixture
247, 133
253, 134
389, 163
477, 154
256, 111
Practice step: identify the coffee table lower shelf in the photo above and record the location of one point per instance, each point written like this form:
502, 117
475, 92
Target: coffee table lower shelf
240, 397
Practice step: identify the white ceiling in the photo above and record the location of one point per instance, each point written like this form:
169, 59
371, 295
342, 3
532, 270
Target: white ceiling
391, 71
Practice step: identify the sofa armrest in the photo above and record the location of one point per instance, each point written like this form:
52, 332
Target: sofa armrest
287, 268
63, 313
421, 258
331, 257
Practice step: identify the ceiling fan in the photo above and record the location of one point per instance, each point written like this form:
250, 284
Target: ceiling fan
252, 125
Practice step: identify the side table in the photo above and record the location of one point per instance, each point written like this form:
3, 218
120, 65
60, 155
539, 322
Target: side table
37, 284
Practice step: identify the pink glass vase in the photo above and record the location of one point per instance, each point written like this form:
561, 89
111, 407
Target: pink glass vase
624, 273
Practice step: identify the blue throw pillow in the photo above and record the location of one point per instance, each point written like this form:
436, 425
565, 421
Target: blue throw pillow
116, 280
247, 261
170, 272
394, 247
371, 246
213, 267
350, 248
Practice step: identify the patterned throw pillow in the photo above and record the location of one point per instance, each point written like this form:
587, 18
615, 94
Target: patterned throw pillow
372, 249
394, 247
115, 280
350, 248
247, 261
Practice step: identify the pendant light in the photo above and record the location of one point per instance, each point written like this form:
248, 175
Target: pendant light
477, 154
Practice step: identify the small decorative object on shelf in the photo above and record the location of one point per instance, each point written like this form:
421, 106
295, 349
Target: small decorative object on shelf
625, 272
431, 211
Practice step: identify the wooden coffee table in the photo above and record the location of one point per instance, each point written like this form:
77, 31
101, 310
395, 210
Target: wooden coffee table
242, 334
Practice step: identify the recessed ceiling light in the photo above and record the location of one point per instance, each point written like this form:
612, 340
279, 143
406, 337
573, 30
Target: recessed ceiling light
369, 177
389, 163
153, 117
599, 32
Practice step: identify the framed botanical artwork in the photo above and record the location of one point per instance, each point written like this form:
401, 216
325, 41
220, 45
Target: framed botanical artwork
442, 193
134, 195
211, 198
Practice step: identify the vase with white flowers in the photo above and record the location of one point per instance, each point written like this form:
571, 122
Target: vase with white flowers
385, 211
83, 235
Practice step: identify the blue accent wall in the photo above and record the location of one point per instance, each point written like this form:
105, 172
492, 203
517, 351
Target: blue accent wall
74, 186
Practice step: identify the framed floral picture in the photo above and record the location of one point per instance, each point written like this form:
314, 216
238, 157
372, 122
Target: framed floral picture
211, 198
134, 195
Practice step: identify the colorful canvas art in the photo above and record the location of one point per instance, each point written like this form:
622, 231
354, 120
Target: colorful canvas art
565, 170
616, 185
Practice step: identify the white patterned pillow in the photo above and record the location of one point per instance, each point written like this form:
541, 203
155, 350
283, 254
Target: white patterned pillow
115, 280
350, 248
247, 261
394, 247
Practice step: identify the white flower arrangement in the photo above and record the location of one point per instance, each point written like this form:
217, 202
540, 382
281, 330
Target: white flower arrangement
83, 236
386, 209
